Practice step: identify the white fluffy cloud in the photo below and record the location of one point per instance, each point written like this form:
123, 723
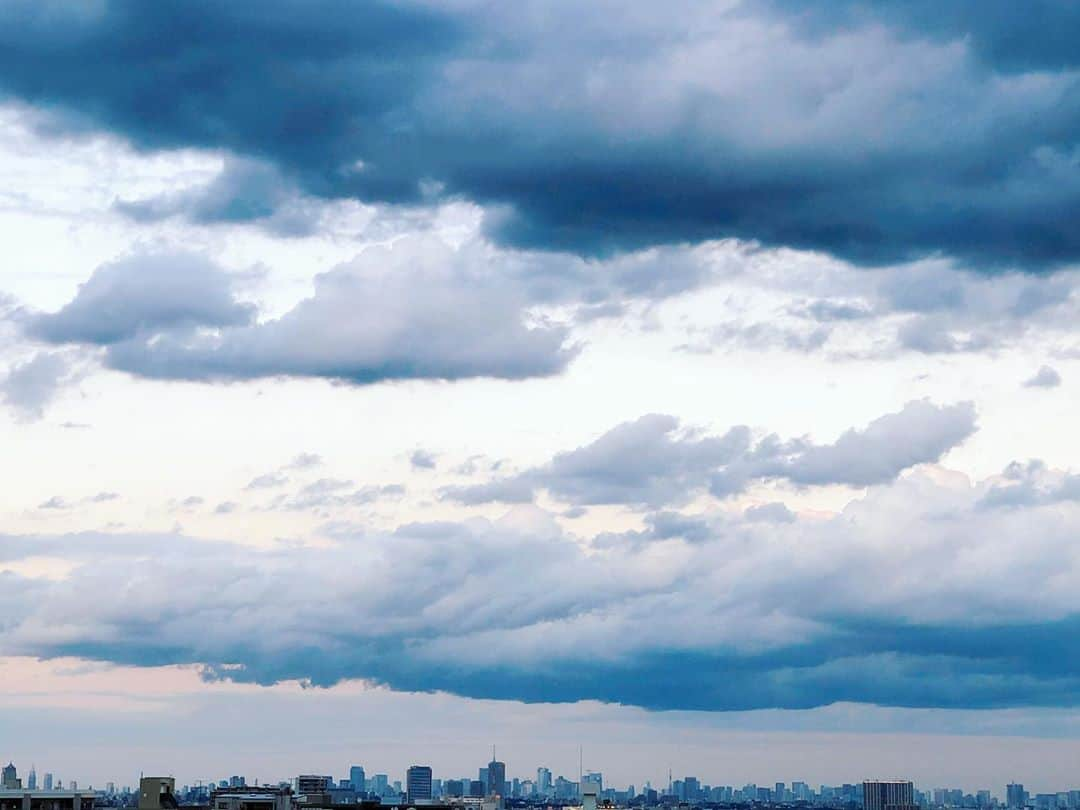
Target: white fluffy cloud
654, 461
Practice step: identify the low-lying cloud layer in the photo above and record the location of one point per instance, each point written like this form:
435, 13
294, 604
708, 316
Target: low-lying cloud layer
916, 594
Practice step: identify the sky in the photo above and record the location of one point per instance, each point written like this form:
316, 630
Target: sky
693, 383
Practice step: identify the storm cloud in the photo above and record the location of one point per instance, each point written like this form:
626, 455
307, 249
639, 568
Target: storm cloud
875, 132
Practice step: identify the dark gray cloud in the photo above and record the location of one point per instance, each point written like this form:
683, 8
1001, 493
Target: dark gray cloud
1041, 38
914, 595
245, 191
595, 130
654, 462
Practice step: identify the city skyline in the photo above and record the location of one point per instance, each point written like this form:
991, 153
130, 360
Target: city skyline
691, 383
894, 792
540, 780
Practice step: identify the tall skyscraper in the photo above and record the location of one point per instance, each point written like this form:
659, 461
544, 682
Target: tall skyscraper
48, 781
692, 787
1015, 795
31, 779
543, 781
356, 776
895, 795
418, 783
9, 777
496, 778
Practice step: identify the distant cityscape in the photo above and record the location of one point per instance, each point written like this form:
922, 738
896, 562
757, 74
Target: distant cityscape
493, 790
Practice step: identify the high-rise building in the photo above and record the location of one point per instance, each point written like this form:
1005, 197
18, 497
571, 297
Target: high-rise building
595, 779
48, 781
692, 788
1015, 795
565, 789
893, 795
31, 779
418, 783
357, 778
496, 778
543, 781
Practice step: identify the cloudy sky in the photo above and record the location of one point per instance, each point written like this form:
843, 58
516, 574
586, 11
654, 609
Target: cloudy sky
693, 382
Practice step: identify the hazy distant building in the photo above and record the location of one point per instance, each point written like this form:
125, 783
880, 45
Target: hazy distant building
308, 784
358, 779
418, 783
496, 778
9, 777
543, 781
1015, 796
892, 795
